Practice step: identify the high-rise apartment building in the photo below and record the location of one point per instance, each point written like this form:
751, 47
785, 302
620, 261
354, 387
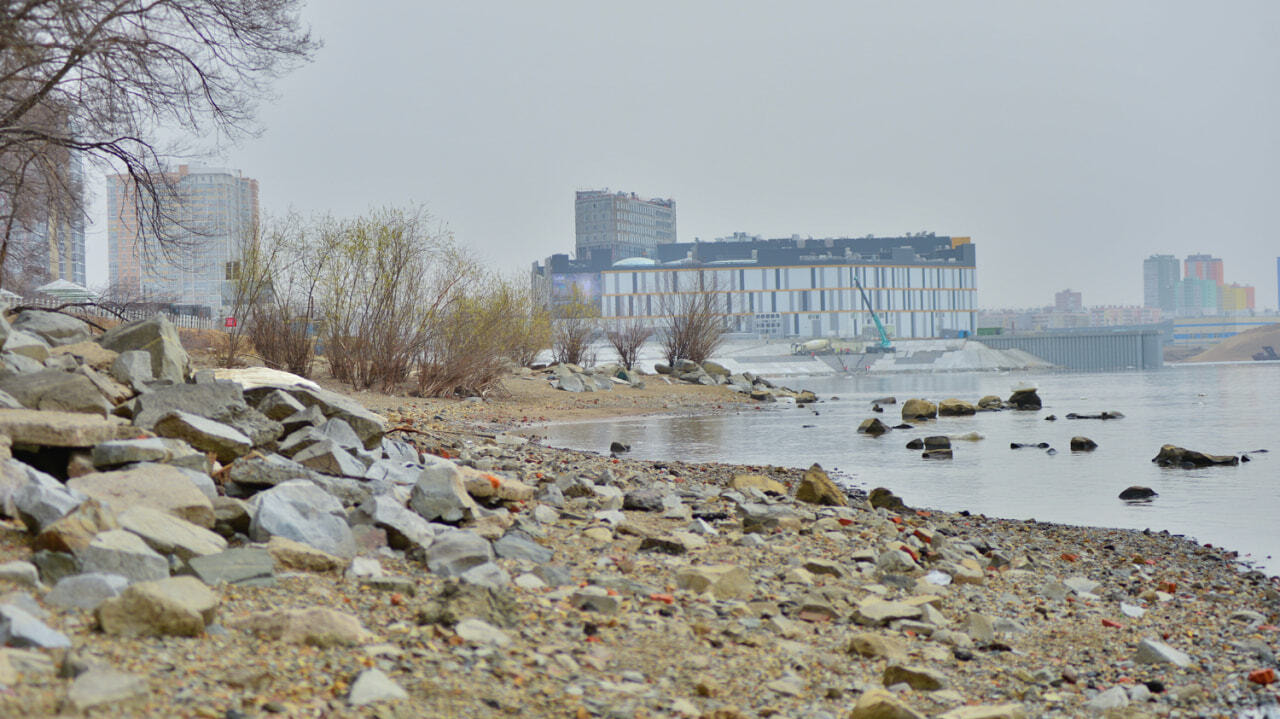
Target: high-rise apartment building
621, 225
1203, 267
1160, 276
213, 212
46, 242
1068, 301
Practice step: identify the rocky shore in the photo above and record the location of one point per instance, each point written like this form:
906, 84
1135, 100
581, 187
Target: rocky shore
182, 545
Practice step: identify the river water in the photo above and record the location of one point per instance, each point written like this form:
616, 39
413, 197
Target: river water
1219, 409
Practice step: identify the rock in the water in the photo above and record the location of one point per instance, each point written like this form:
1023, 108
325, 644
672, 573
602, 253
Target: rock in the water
316, 626
873, 427
18, 628
101, 685
918, 409
938, 441
617, 447
1173, 456
86, 591
936, 454
374, 686
880, 497
123, 553
177, 606
157, 337
817, 488
1136, 492
158, 486
1025, 398
955, 408
1083, 444
301, 511
990, 402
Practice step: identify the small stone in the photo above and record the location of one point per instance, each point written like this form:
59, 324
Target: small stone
1151, 651
724, 581
18, 572
100, 686
374, 686
880, 704
168, 534
296, 556
316, 626
85, 591
916, 677
877, 612
123, 553
817, 488
596, 599
874, 645
177, 606
235, 566
476, 631
18, 628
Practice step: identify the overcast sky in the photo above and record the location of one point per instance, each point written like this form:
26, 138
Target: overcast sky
1069, 139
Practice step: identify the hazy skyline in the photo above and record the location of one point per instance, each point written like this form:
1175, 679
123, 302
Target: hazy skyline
1069, 140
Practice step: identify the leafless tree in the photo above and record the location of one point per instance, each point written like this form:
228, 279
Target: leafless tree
693, 322
573, 325
259, 254
628, 338
97, 79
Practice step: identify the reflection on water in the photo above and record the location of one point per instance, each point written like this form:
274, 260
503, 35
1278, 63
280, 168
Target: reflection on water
1217, 409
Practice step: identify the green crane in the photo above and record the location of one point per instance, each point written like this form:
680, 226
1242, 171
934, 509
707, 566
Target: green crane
885, 345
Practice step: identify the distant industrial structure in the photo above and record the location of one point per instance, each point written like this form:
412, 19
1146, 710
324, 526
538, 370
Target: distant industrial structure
618, 225
214, 211
1068, 301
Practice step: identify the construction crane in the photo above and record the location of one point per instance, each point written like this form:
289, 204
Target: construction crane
885, 345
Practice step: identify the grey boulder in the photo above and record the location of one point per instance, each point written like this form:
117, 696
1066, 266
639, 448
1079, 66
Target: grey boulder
54, 328
301, 511
157, 337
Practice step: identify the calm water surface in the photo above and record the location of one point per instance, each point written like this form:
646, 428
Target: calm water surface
1219, 409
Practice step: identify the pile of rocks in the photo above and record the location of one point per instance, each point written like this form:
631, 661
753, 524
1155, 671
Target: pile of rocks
602, 378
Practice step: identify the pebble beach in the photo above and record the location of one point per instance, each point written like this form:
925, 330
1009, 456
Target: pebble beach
626, 588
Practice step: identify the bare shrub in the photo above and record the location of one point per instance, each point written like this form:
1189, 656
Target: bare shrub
627, 339
693, 324
575, 323
374, 302
281, 324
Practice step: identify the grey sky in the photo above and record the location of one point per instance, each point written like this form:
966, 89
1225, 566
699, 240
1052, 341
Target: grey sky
1069, 139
